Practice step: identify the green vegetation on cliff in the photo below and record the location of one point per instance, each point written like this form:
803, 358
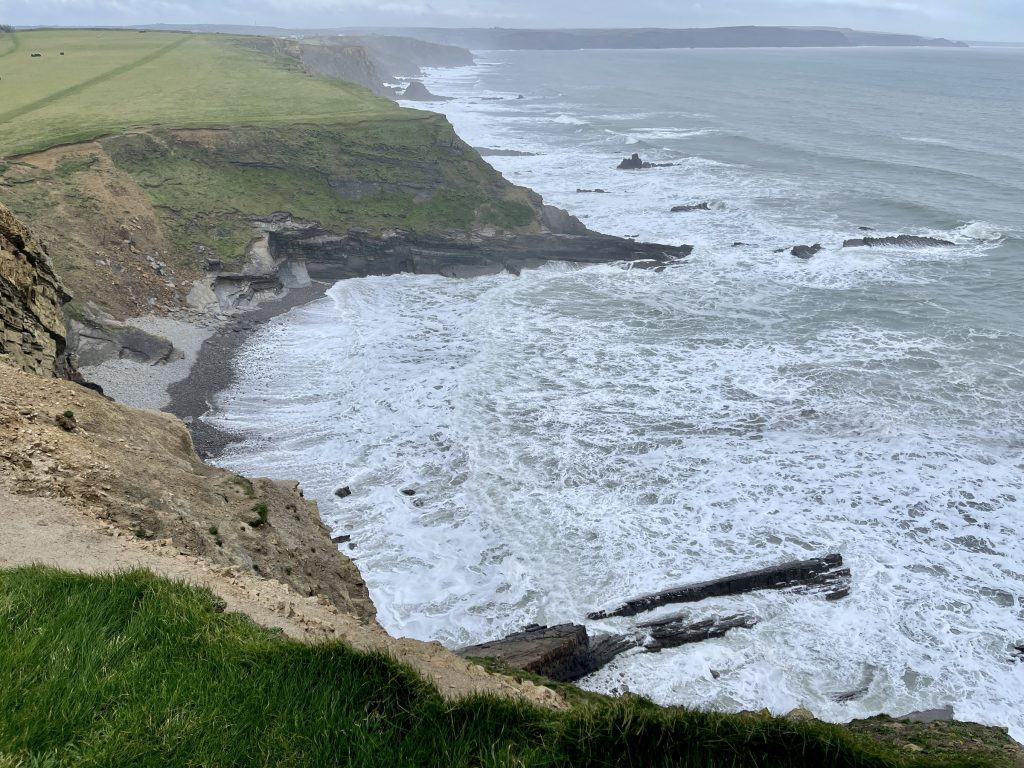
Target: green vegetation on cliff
172, 145
134, 670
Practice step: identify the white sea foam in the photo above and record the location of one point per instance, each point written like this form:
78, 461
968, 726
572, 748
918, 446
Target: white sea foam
568, 120
502, 402
579, 436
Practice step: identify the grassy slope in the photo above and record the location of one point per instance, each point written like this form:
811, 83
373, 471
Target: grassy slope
112, 81
281, 141
134, 670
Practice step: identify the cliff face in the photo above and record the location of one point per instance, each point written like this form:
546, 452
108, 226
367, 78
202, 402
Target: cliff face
33, 336
714, 37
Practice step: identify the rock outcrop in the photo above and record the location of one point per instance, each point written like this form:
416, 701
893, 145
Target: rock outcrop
359, 253
635, 163
33, 335
417, 91
806, 251
900, 241
691, 208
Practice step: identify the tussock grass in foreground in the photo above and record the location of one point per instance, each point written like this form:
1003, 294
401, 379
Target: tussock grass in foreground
132, 670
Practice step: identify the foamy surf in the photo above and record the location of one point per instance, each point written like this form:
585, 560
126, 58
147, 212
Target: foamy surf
575, 437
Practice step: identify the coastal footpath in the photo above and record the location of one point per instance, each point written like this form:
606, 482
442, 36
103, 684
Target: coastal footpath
159, 224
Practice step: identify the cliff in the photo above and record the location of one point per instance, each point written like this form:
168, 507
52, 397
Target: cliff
716, 37
33, 336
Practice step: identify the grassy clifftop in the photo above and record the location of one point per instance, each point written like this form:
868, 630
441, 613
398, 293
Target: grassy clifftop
87, 83
140, 148
140, 671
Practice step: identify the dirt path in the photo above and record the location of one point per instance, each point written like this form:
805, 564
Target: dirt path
42, 531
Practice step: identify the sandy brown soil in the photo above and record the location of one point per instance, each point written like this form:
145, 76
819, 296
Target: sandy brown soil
124, 489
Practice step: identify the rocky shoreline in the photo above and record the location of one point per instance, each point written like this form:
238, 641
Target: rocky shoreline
327, 258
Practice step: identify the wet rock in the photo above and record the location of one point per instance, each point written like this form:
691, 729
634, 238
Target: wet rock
566, 652
691, 208
331, 257
901, 241
492, 152
408, 492
343, 493
635, 162
806, 251
592, 191
841, 697
819, 573
342, 539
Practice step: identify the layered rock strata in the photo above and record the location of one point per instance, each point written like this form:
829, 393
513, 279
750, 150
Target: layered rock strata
33, 336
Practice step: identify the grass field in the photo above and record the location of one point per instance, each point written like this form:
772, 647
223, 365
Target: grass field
133, 670
111, 81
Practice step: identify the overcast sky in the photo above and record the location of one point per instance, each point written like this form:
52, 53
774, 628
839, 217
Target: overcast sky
960, 19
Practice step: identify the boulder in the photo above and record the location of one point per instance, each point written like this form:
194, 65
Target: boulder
635, 162
806, 251
691, 208
901, 241
631, 163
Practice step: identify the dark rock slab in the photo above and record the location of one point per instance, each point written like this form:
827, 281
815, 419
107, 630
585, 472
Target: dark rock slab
842, 697
824, 571
635, 163
560, 653
492, 152
673, 632
691, 208
592, 191
901, 241
357, 253
806, 251
566, 652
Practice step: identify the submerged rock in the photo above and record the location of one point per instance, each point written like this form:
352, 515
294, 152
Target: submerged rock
901, 241
691, 208
635, 162
806, 251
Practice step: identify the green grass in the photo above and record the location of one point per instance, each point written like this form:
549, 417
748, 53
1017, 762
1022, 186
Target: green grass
112, 81
133, 670
414, 174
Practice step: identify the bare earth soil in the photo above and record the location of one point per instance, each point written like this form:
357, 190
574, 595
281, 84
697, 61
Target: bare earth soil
49, 517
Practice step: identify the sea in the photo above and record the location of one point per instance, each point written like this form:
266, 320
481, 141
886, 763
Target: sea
578, 436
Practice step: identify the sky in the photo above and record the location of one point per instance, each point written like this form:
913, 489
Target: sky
997, 20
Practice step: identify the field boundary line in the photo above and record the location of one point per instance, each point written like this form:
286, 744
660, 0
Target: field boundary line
78, 88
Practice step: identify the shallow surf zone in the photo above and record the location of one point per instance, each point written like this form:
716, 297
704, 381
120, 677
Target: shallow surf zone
575, 437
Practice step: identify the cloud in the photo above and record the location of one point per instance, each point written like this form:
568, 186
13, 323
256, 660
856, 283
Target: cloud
971, 19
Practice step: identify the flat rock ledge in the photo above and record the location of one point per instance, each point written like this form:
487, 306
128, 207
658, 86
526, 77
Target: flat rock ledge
358, 253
